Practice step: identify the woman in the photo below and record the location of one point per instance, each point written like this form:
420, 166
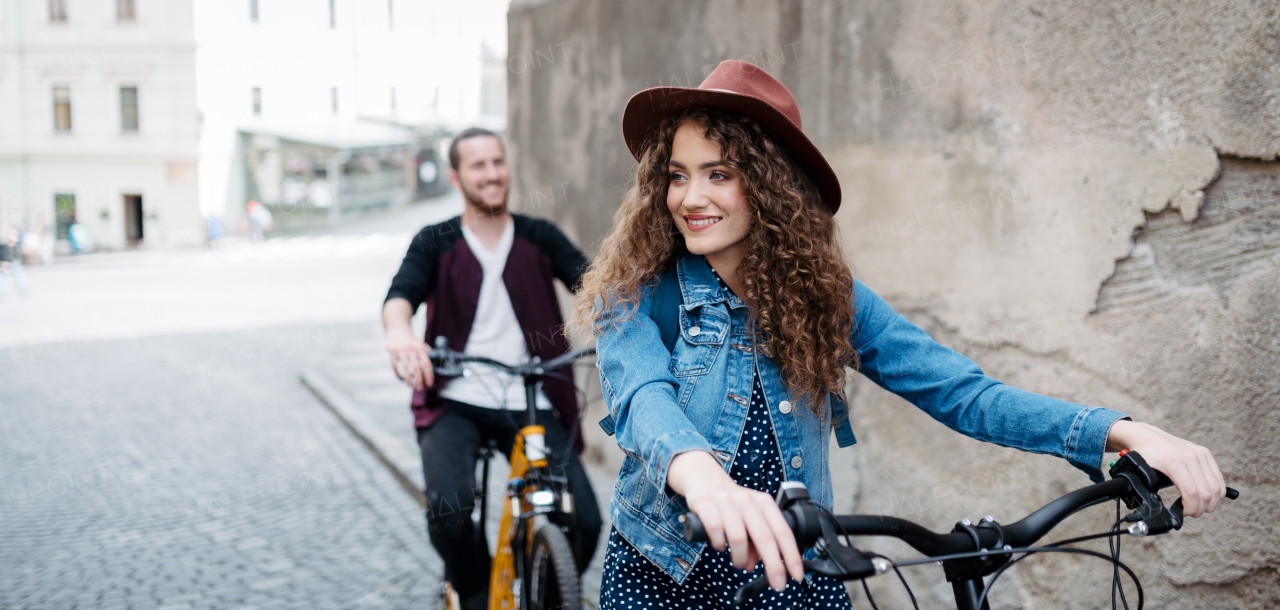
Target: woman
725, 318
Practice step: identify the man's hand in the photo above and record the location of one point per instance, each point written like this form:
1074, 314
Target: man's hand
409, 359
1191, 467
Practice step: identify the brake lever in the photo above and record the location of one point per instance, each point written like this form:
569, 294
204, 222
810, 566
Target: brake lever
751, 589
1149, 512
1177, 506
825, 567
448, 359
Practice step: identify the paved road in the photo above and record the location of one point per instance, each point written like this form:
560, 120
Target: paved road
160, 452
319, 278
193, 471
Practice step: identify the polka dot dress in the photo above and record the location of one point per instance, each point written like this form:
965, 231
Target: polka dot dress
631, 582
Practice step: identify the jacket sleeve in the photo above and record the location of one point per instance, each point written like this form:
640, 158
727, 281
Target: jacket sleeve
567, 261
417, 274
641, 392
900, 357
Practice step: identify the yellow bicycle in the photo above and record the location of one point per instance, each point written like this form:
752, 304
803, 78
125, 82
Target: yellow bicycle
533, 566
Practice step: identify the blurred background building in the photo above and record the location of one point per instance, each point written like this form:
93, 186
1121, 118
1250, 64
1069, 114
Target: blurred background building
138, 120
99, 124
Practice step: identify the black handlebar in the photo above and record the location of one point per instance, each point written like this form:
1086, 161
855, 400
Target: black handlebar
1133, 481
1022, 533
448, 361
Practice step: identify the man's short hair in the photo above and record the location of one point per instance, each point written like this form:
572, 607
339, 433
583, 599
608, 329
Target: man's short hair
471, 132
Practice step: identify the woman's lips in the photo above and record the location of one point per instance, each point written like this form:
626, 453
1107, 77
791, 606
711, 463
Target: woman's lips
700, 223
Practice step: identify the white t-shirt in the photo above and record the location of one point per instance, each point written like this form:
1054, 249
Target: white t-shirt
495, 334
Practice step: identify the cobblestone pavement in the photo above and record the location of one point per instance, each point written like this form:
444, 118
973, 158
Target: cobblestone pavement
194, 471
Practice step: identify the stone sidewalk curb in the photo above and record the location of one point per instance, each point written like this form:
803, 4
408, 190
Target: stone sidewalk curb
399, 457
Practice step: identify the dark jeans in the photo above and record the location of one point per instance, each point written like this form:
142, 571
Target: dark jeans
449, 447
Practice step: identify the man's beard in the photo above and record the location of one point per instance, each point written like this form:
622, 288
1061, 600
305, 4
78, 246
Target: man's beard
477, 202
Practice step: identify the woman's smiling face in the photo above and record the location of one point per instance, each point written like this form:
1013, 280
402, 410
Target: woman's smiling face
706, 198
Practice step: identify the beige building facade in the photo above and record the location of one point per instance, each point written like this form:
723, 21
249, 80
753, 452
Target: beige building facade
98, 121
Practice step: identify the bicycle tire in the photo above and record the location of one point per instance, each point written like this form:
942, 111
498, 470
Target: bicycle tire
552, 575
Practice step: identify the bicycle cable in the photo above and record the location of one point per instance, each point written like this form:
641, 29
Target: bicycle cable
1027, 552
1114, 543
843, 532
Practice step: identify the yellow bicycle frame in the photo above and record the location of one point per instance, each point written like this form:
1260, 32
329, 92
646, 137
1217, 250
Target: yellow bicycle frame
502, 576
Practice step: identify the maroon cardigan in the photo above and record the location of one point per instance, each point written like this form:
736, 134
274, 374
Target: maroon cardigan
441, 270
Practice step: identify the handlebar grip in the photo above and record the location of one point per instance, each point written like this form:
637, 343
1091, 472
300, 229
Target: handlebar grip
693, 531
1163, 482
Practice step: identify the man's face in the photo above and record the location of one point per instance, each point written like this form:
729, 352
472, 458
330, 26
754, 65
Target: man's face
482, 174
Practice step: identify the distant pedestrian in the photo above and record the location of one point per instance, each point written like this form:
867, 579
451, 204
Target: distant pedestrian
77, 237
214, 231
260, 221
11, 264
38, 246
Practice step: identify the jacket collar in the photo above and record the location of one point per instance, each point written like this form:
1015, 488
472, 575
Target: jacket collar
698, 283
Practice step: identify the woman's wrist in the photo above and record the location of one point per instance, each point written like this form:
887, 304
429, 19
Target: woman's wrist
1124, 434
693, 471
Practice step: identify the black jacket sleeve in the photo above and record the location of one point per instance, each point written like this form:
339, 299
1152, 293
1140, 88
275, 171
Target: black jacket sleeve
417, 275
567, 261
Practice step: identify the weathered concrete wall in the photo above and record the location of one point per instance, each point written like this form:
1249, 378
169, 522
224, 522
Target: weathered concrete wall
1082, 196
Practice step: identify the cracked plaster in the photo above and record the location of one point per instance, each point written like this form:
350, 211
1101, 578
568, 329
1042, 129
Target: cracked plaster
996, 160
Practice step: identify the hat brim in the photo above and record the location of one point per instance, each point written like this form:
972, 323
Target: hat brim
647, 109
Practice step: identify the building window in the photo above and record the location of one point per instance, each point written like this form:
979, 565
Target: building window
58, 11
333, 16
253, 11
391, 14
333, 98
257, 101
129, 109
126, 10
62, 109
64, 213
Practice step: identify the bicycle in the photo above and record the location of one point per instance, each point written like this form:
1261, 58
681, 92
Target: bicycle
971, 552
533, 567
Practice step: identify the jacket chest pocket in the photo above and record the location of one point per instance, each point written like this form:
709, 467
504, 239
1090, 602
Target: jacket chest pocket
702, 332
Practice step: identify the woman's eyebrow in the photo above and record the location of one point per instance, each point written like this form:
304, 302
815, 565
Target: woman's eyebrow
708, 164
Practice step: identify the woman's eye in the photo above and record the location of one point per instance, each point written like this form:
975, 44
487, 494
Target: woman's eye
719, 176
675, 177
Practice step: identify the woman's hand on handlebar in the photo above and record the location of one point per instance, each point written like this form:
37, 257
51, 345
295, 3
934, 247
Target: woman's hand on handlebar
746, 521
1191, 467
409, 360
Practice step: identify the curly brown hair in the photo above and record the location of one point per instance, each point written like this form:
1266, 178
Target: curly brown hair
798, 287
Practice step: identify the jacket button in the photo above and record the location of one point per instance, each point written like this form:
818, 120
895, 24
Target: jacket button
796, 462
785, 407
695, 331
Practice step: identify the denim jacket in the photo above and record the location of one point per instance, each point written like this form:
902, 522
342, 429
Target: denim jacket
695, 397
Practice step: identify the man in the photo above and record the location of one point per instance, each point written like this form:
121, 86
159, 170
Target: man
487, 277
11, 253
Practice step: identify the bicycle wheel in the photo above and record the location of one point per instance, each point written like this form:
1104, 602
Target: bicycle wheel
552, 575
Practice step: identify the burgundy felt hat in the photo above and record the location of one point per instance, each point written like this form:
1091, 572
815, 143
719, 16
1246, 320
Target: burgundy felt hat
742, 88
